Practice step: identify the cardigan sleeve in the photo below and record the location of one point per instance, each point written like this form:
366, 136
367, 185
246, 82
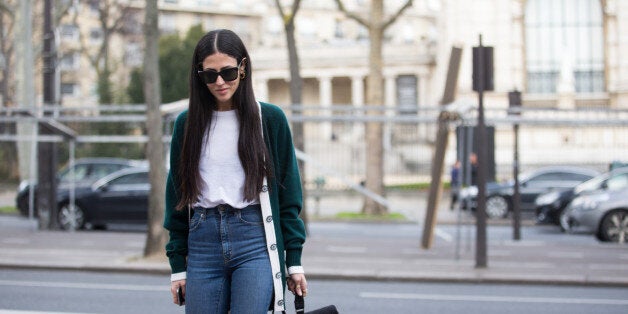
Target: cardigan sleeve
289, 190
176, 222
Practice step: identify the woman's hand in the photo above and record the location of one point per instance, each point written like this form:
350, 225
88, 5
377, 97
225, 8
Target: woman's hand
174, 285
297, 284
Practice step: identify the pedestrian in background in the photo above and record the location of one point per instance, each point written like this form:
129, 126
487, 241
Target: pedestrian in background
454, 184
473, 163
233, 193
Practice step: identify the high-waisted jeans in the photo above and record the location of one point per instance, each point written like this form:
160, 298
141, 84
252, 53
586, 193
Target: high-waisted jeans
228, 265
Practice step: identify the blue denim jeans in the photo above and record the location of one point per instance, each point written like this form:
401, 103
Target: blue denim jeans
228, 266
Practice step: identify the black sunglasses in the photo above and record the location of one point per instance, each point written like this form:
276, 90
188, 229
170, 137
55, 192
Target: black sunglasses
210, 76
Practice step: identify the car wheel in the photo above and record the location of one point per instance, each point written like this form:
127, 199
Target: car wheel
614, 226
71, 217
496, 206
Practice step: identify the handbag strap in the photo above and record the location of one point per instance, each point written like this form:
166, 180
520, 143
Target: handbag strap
299, 305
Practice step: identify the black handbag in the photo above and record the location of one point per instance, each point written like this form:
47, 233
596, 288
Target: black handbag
299, 306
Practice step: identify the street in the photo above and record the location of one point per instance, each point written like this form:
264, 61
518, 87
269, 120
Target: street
91, 292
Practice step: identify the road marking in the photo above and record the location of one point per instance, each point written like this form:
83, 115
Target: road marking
482, 298
35, 312
82, 285
578, 255
444, 235
15, 241
346, 249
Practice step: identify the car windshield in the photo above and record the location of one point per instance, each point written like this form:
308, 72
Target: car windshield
590, 185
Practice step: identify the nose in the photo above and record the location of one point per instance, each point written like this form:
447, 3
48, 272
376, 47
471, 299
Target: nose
219, 80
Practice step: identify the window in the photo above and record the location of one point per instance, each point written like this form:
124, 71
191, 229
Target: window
95, 35
167, 23
133, 178
69, 89
69, 32
69, 62
564, 36
618, 182
133, 55
407, 94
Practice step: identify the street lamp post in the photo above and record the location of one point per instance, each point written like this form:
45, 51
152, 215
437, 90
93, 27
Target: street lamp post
514, 101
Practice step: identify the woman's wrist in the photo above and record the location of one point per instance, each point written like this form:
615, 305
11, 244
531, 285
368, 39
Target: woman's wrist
295, 270
178, 276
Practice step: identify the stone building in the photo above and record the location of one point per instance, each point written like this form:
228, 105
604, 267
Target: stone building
560, 54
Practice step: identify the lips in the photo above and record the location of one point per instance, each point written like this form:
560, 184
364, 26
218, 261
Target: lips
222, 91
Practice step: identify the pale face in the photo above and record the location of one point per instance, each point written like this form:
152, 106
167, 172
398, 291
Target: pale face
222, 90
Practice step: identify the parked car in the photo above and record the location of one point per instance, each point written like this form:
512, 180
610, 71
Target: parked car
603, 212
550, 205
86, 171
120, 197
499, 196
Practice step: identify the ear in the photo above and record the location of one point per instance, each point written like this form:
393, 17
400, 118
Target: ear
243, 68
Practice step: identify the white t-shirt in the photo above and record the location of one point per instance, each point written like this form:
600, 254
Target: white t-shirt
222, 175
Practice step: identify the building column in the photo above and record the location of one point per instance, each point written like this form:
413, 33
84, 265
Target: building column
389, 101
423, 101
261, 89
324, 92
357, 100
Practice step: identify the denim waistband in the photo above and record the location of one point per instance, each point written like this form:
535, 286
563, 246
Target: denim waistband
226, 207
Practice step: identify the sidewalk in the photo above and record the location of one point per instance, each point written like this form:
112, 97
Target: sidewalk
354, 250
349, 250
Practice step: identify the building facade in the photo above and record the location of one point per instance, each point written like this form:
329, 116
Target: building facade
559, 54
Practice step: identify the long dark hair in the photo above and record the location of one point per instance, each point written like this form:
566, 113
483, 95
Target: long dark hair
251, 149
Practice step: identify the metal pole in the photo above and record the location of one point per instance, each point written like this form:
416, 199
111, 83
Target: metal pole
514, 109
480, 241
517, 196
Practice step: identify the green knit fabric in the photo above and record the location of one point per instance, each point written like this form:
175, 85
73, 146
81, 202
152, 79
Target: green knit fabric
285, 192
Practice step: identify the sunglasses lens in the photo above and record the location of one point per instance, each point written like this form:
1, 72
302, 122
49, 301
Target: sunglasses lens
229, 74
208, 77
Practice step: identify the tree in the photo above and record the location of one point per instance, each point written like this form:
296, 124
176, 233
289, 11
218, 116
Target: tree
296, 86
8, 153
376, 26
174, 57
111, 17
156, 237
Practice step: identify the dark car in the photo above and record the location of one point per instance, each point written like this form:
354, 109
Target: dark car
86, 171
531, 184
550, 205
120, 197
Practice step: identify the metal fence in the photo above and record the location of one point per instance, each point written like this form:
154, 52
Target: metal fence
335, 147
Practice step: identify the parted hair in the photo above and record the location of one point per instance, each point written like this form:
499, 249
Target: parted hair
251, 149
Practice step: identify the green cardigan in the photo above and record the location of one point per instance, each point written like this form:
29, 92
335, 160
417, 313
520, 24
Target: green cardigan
284, 187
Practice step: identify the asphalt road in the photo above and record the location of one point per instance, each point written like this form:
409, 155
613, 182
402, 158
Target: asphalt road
26, 291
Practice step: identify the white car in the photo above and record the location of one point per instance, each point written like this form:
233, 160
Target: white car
603, 212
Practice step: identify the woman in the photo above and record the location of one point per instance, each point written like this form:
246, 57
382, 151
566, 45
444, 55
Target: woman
233, 194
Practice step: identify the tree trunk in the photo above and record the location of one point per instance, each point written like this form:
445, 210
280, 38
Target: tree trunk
296, 88
156, 237
375, 97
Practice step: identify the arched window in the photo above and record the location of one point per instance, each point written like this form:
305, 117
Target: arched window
567, 36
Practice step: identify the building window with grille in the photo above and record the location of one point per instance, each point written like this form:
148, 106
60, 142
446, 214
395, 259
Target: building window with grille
564, 39
69, 62
69, 89
407, 94
69, 32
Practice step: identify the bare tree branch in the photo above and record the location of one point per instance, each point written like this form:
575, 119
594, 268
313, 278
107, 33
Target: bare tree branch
352, 16
280, 9
61, 11
393, 18
288, 18
9, 9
